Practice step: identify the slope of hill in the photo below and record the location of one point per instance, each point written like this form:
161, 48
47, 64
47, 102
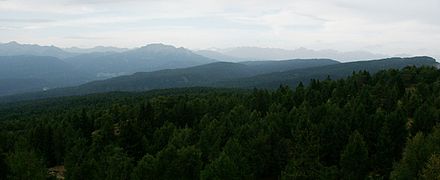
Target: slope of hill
33, 67
20, 74
204, 75
230, 75
335, 71
280, 66
16, 86
219, 56
245, 75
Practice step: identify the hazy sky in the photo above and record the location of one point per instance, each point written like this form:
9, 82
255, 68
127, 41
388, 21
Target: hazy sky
381, 26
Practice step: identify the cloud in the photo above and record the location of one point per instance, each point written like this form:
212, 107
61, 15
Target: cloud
44, 7
384, 26
92, 2
394, 10
8, 28
86, 37
30, 20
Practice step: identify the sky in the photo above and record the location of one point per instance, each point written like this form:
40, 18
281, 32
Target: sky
380, 26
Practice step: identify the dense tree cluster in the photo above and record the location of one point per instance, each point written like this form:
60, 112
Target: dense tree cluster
380, 126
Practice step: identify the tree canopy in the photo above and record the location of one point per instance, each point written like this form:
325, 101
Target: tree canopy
377, 126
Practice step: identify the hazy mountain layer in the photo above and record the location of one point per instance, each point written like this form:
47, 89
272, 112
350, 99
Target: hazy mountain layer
152, 57
20, 74
258, 53
25, 69
95, 49
232, 75
13, 48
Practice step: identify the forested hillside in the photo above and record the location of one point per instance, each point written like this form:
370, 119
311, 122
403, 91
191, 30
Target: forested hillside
335, 71
246, 75
378, 126
203, 75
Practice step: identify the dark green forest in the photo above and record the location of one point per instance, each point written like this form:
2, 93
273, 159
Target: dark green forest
365, 126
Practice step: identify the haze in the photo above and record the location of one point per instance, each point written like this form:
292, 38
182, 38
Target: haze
390, 27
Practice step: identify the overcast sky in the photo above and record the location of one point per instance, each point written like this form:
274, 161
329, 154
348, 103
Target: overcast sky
380, 26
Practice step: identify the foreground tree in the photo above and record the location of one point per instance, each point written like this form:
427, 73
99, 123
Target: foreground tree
25, 164
413, 159
432, 168
221, 168
354, 158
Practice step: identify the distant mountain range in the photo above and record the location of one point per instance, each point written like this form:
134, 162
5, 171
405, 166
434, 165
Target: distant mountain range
222, 57
13, 49
95, 49
52, 67
236, 54
258, 53
27, 67
232, 75
151, 57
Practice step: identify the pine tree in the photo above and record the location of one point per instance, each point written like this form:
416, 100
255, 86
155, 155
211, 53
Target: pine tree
221, 168
24, 163
354, 158
432, 168
304, 163
4, 170
425, 119
114, 164
390, 142
146, 169
413, 159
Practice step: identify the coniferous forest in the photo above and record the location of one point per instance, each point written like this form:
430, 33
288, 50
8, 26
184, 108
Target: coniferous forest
366, 126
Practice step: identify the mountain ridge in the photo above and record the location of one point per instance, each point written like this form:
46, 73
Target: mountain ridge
197, 77
261, 53
95, 49
51, 67
14, 48
293, 77
151, 57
